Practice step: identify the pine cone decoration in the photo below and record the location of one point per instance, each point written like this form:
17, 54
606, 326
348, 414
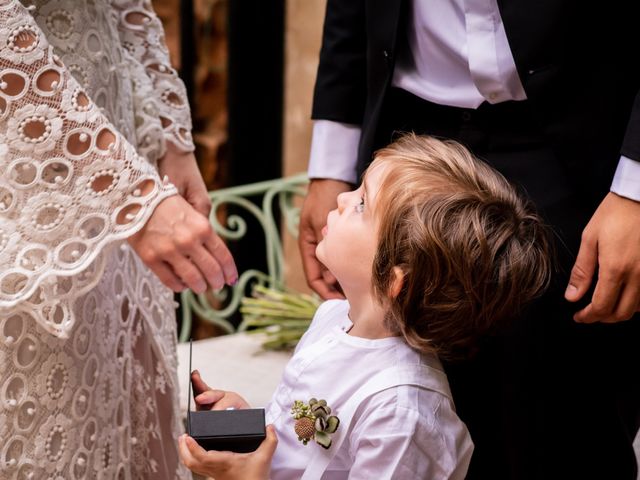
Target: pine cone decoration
305, 429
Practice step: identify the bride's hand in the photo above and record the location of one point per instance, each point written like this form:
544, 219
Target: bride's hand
182, 170
179, 245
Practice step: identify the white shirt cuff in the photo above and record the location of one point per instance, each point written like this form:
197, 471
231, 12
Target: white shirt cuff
334, 151
626, 181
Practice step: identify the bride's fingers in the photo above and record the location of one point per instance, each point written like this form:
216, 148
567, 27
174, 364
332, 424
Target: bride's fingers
188, 273
208, 266
220, 252
164, 272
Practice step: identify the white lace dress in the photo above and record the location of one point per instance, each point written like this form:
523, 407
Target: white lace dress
88, 100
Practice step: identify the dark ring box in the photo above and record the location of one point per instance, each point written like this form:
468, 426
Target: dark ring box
240, 431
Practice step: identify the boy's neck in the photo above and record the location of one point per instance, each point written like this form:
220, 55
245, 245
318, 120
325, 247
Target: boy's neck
367, 316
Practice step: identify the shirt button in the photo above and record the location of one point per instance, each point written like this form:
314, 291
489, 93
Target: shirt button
466, 116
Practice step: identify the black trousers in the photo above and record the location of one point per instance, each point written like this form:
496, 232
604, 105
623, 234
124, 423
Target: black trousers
549, 398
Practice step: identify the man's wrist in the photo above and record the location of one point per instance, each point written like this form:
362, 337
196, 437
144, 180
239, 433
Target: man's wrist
626, 181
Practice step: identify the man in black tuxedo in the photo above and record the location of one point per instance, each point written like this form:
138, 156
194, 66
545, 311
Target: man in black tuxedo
547, 93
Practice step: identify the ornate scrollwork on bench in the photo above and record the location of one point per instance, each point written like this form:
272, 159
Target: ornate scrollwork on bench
218, 307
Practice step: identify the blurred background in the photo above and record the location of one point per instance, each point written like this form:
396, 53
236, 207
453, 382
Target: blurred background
249, 67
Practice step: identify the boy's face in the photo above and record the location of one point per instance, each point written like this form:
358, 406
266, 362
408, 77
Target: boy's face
350, 237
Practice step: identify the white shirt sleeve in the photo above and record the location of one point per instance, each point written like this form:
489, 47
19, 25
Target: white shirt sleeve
392, 441
334, 151
626, 181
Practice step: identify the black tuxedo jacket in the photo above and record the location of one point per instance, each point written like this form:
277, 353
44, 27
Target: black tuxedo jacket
578, 62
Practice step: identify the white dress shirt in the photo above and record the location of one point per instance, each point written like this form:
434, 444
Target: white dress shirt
459, 56
403, 432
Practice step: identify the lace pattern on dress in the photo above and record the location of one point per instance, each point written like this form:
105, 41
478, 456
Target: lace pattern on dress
71, 184
143, 36
87, 332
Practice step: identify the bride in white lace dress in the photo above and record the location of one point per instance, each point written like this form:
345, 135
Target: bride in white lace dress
89, 104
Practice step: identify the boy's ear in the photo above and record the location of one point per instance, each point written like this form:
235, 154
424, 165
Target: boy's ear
397, 280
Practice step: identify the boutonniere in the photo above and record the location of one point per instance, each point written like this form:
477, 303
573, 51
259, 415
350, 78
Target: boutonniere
314, 422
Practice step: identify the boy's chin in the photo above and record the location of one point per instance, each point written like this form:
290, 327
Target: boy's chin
320, 255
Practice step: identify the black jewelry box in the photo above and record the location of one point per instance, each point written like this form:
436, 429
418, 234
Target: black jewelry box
240, 431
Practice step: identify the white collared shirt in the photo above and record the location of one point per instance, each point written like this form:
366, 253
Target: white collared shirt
402, 432
459, 56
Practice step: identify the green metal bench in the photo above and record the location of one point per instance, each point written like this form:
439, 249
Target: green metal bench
281, 190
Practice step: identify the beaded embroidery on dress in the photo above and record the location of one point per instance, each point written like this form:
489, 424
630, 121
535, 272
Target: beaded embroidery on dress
88, 100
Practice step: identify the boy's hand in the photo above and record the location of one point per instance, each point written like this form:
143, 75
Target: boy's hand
229, 465
207, 398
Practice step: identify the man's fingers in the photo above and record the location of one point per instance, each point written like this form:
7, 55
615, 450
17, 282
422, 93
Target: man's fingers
313, 269
605, 297
627, 304
329, 278
583, 269
320, 200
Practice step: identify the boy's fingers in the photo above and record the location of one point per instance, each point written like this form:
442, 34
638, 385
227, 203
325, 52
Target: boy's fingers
268, 446
198, 384
195, 450
185, 453
211, 459
209, 397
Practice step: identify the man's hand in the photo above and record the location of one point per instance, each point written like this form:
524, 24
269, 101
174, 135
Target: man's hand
179, 245
229, 465
207, 398
610, 242
182, 170
320, 200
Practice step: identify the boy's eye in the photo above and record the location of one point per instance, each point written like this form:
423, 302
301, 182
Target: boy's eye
360, 206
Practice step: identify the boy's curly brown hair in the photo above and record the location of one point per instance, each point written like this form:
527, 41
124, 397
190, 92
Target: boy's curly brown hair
471, 250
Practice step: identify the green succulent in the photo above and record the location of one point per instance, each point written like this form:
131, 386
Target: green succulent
314, 421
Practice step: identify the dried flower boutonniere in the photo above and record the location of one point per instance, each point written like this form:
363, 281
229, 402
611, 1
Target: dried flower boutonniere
314, 421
